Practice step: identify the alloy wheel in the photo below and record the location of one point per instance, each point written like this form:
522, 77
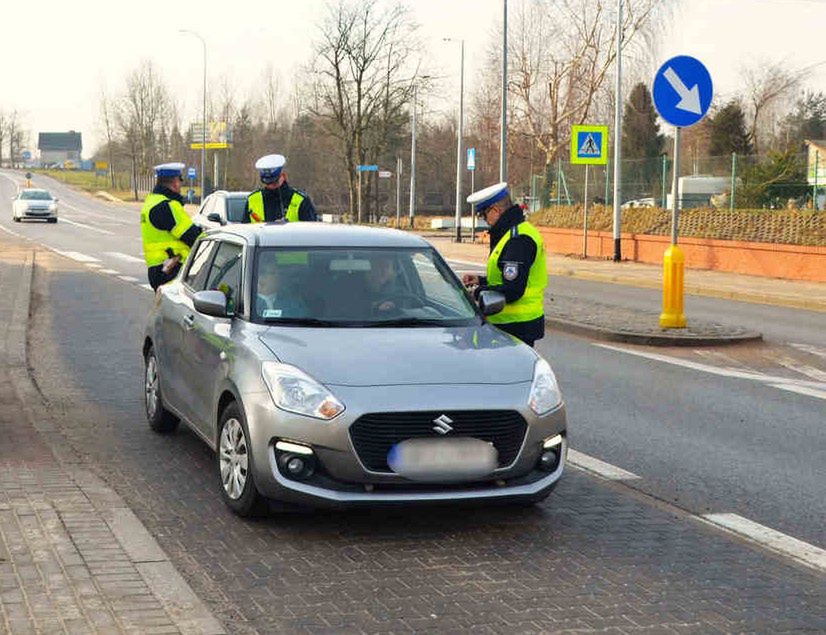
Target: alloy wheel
234, 458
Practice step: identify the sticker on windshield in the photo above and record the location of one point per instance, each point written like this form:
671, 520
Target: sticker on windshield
510, 271
272, 313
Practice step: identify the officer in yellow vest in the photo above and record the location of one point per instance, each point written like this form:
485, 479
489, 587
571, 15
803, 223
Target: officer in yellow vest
516, 265
276, 200
166, 229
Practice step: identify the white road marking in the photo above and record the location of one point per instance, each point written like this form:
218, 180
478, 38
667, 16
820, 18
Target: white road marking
94, 265
122, 256
478, 265
63, 219
803, 369
813, 350
803, 552
128, 278
813, 388
147, 287
96, 214
76, 255
110, 272
601, 468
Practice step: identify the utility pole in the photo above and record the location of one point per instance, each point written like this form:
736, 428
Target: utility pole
503, 132
413, 155
203, 112
459, 135
618, 140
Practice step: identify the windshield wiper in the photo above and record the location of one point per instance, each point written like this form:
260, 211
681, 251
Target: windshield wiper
304, 321
412, 321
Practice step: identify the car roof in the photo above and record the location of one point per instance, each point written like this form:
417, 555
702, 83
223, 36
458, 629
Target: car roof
230, 194
309, 234
34, 189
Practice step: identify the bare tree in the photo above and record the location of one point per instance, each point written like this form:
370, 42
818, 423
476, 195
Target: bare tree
364, 68
3, 130
16, 136
107, 120
768, 85
560, 53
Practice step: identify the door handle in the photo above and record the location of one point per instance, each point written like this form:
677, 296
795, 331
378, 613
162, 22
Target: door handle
189, 321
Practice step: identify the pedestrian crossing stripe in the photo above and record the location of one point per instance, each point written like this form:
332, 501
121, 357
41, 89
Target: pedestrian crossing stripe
589, 144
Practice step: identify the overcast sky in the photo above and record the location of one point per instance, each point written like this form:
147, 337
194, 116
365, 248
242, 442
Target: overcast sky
57, 55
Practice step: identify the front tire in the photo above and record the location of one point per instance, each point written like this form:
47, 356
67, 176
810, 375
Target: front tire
16, 219
159, 418
234, 465
52, 220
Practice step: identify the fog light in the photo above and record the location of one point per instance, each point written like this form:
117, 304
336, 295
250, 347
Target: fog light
552, 442
295, 461
295, 466
549, 460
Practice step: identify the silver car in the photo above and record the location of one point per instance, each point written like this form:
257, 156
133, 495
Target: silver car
221, 208
336, 365
33, 203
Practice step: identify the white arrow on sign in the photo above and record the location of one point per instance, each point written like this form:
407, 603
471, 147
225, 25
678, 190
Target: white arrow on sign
689, 99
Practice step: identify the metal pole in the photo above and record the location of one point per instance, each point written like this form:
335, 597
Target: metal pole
398, 192
733, 180
675, 187
814, 189
585, 219
503, 132
413, 156
358, 220
558, 182
618, 139
607, 179
665, 173
203, 112
459, 135
473, 207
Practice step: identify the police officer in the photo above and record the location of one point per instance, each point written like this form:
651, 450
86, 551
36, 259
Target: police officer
276, 200
166, 229
516, 265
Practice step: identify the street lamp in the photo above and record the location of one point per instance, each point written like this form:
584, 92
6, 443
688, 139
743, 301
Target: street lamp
412, 210
204, 114
459, 135
503, 126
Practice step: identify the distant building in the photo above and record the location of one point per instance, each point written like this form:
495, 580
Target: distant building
56, 148
816, 171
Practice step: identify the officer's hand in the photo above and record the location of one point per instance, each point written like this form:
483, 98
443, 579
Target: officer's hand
470, 280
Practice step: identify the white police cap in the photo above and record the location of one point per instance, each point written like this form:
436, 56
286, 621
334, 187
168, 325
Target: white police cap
488, 196
270, 166
169, 170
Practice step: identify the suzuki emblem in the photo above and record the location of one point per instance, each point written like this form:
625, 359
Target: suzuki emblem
443, 424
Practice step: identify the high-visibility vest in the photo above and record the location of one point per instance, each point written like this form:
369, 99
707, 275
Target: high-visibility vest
255, 203
531, 305
157, 241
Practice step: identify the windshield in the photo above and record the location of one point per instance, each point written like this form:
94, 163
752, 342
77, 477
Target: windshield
358, 287
235, 209
35, 195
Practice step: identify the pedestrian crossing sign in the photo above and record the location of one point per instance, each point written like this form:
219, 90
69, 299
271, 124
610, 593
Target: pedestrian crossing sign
589, 144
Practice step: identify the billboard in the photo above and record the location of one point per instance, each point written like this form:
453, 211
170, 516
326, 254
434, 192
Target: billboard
218, 135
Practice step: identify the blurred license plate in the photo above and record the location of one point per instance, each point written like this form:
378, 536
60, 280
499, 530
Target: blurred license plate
438, 460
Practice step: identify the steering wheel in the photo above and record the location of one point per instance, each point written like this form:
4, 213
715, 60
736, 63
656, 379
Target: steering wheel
399, 301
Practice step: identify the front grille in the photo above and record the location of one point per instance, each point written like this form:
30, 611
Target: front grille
374, 434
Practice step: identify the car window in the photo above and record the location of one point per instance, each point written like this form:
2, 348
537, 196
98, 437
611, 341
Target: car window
196, 275
235, 209
209, 203
35, 195
225, 274
435, 283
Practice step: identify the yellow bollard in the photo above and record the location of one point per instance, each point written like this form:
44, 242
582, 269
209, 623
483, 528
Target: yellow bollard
672, 316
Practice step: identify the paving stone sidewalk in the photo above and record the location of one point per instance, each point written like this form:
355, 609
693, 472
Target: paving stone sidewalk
73, 558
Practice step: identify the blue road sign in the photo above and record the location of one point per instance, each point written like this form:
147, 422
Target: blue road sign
367, 168
471, 159
589, 144
191, 173
683, 91
26, 155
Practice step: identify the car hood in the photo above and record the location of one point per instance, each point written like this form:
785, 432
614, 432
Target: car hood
397, 356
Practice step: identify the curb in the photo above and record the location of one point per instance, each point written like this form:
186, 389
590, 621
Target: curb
648, 339
189, 614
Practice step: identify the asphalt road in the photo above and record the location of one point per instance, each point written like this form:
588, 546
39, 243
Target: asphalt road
705, 441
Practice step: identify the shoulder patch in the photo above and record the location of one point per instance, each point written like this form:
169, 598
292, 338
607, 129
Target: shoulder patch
510, 271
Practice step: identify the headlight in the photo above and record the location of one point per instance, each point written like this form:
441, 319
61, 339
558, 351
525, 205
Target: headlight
52, 207
545, 392
295, 391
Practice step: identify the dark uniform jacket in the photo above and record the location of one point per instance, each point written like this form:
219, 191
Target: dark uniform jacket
520, 250
277, 201
161, 217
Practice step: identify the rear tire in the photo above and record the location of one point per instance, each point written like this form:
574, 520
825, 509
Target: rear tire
16, 219
159, 418
52, 220
233, 461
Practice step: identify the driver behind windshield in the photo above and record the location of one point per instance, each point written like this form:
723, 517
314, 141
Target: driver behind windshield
276, 296
383, 283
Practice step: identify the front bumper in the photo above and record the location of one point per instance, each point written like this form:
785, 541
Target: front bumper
39, 213
342, 480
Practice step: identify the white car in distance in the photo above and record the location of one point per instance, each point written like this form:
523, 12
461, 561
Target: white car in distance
31, 203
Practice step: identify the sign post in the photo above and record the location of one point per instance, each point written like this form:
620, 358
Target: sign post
360, 169
589, 146
682, 95
471, 166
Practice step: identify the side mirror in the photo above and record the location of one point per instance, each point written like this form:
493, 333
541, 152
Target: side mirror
491, 302
212, 303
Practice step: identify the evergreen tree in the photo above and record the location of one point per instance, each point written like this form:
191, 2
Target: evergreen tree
807, 121
642, 143
728, 131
